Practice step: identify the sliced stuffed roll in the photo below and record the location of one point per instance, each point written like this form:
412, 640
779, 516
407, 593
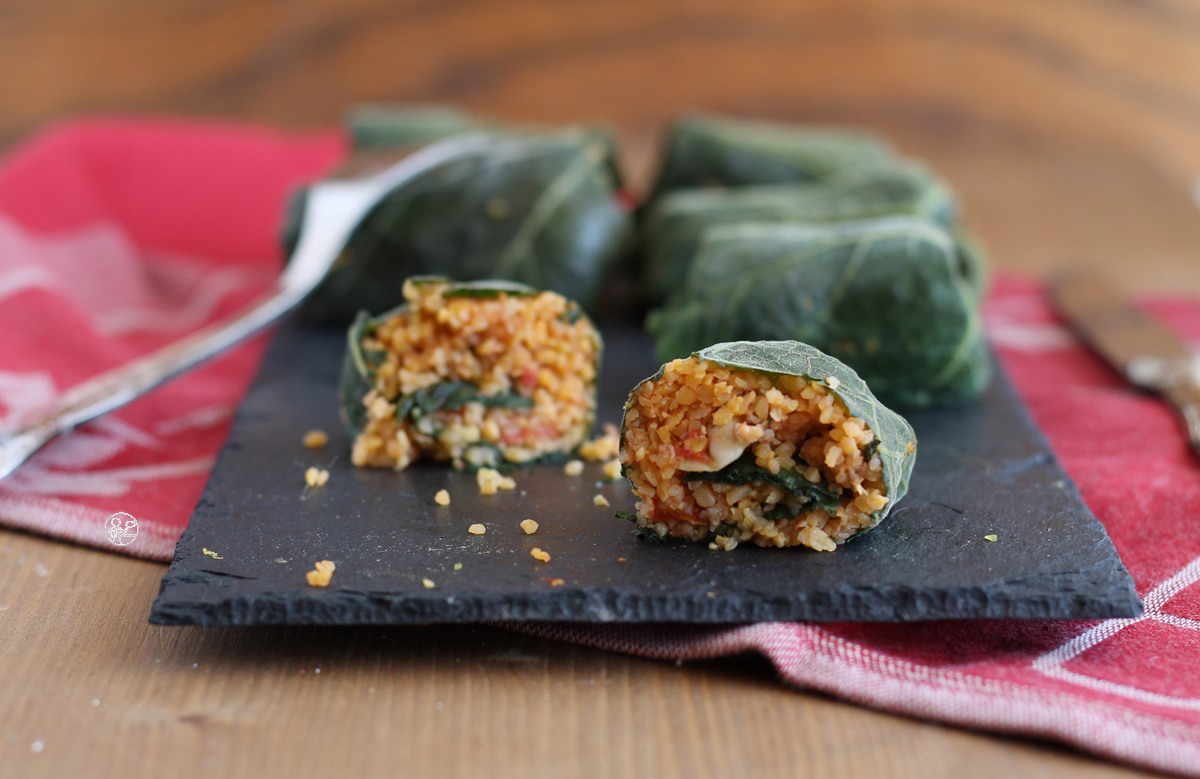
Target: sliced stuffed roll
771, 442
480, 374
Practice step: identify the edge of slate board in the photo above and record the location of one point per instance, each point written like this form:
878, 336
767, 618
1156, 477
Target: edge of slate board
248, 586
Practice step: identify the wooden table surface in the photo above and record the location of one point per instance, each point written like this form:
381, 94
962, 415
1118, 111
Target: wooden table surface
1072, 130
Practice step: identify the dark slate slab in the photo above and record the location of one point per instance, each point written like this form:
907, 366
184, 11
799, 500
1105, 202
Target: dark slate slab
982, 470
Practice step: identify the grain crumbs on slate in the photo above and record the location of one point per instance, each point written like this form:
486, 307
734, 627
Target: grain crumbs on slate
321, 574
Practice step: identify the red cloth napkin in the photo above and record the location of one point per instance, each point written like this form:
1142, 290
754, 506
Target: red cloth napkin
116, 237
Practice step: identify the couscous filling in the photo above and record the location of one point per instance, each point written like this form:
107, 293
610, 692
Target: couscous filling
726, 456
477, 380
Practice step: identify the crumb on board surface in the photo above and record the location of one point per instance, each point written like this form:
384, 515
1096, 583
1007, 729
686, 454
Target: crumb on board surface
316, 439
321, 573
442, 498
604, 446
612, 469
557, 582
573, 468
600, 501
991, 537
428, 584
539, 555
477, 529
211, 553
530, 526
458, 566
490, 481
316, 477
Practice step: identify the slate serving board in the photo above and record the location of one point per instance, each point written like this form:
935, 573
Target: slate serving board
981, 470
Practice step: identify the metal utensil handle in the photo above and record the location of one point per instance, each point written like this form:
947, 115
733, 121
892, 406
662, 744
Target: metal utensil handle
341, 205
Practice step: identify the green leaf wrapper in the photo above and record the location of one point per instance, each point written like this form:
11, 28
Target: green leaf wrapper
897, 443
536, 209
886, 296
744, 470
676, 224
703, 151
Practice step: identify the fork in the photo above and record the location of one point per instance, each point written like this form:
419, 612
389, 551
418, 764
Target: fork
334, 208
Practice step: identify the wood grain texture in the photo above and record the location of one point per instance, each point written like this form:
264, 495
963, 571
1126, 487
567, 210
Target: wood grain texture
106, 694
1105, 73
1071, 128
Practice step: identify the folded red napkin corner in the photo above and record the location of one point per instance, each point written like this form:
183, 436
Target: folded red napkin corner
119, 236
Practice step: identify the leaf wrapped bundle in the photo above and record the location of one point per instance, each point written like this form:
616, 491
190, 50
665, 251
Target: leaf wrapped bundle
707, 151
771, 442
479, 373
539, 209
886, 296
677, 222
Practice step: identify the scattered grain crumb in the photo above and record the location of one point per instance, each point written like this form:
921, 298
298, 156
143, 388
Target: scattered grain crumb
490, 481
321, 573
620, 559
728, 543
573, 467
604, 447
834, 382
211, 553
600, 501
458, 566
316, 439
557, 582
37, 746
316, 477
712, 546
477, 529
612, 470
990, 537
428, 584
442, 498
529, 526
538, 554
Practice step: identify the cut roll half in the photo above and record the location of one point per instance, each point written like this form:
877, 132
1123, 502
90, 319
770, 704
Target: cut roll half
769, 442
480, 374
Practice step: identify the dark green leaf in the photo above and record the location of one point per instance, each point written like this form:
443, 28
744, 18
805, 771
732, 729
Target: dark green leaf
885, 296
704, 151
677, 222
744, 471
562, 230
452, 396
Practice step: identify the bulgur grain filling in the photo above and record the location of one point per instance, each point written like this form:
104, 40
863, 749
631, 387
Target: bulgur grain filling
727, 455
478, 376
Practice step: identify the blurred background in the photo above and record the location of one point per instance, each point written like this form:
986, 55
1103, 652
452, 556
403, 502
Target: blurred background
1102, 95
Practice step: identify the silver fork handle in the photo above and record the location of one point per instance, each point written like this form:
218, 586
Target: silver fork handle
113, 389
337, 208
